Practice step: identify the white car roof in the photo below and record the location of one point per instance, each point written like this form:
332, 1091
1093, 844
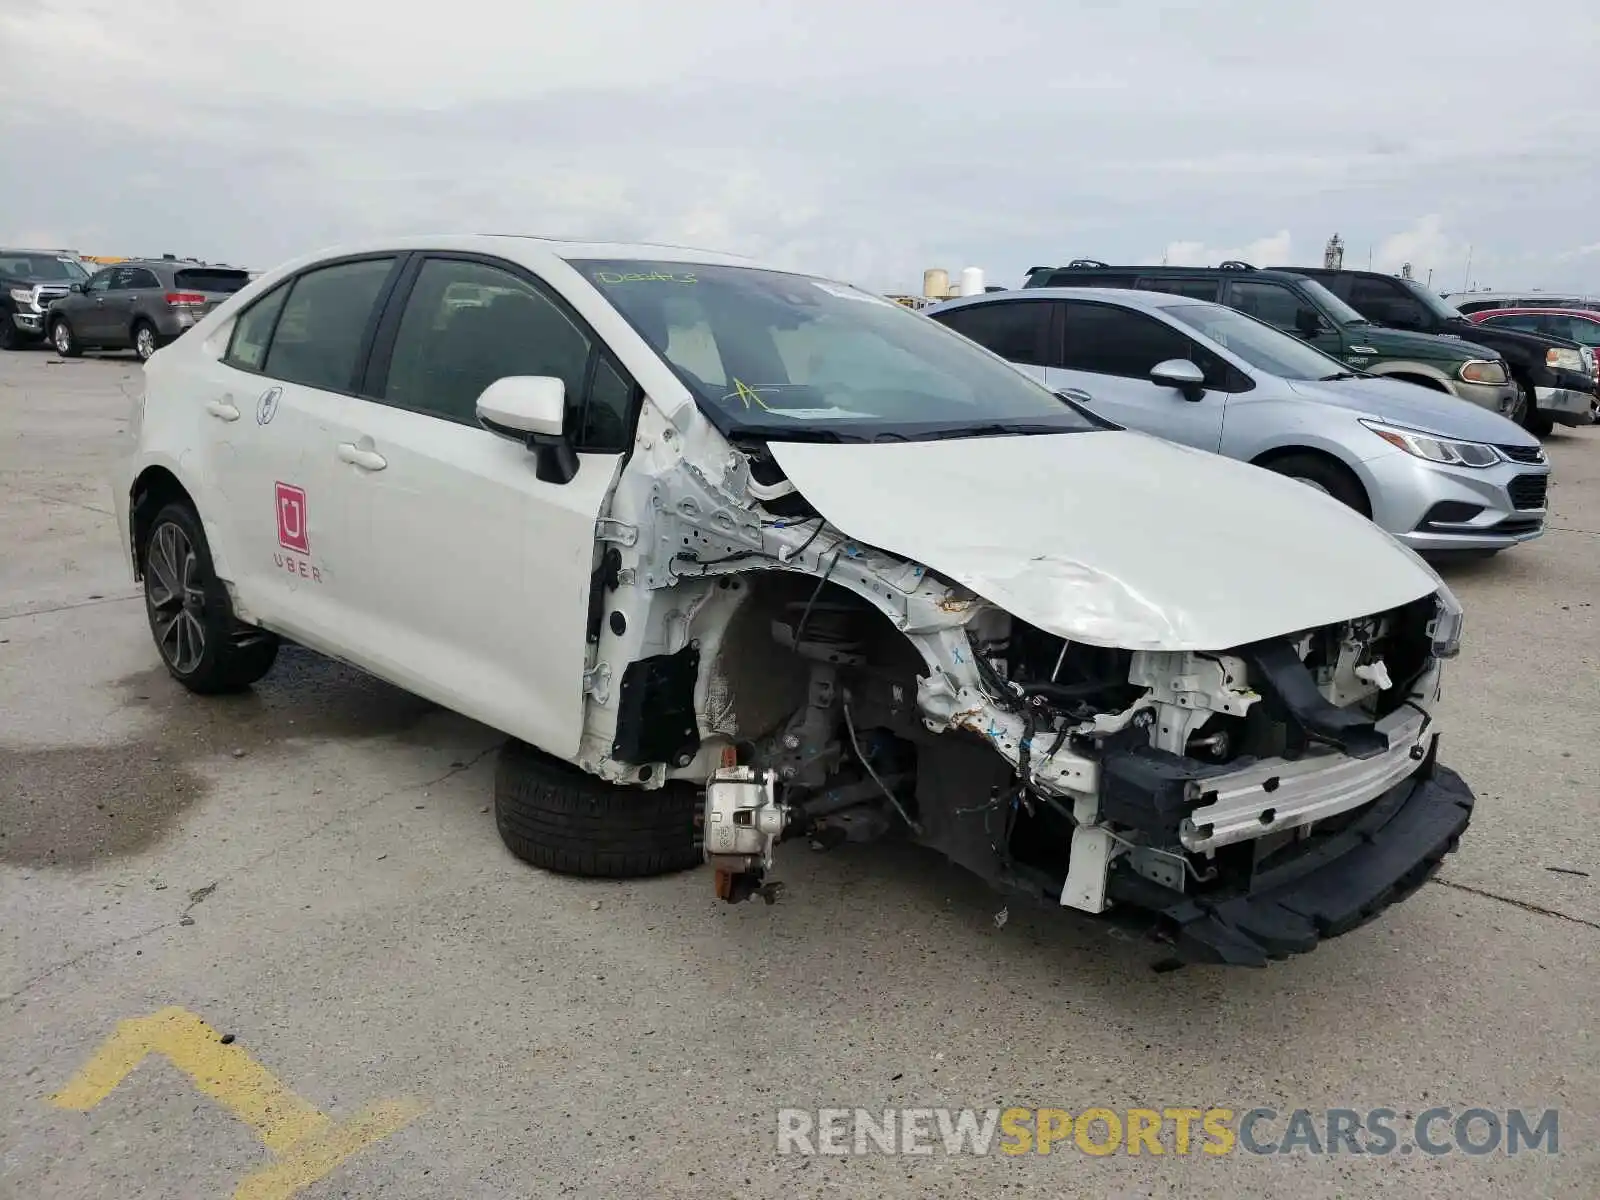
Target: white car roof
533, 251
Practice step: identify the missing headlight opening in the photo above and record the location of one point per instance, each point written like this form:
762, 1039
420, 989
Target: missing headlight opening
844, 694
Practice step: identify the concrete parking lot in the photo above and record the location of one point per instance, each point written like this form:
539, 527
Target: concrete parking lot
271, 945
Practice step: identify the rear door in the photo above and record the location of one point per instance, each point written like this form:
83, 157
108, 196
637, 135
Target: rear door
475, 574
283, 403
1105, 359
146, 297
1016, 330
115, 315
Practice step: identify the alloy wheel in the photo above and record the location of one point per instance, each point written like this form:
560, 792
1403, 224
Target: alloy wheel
63, 338
144, 342
176, 598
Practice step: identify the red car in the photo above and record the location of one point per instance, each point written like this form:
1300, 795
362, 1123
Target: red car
1581, 325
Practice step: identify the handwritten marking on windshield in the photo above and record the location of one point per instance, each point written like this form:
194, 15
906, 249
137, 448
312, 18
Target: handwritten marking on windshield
645, 277
749, 395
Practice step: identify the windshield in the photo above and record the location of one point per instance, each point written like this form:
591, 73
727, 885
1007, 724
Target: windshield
1437, 305
46, 268
791, 357
1332, 305
1257, 343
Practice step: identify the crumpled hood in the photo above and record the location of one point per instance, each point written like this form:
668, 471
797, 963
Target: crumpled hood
1113, 538
1415, 407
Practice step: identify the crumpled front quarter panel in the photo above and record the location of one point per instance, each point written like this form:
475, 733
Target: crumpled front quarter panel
1114, 539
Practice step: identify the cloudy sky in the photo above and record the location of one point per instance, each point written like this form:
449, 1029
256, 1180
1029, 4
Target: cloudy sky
864, 138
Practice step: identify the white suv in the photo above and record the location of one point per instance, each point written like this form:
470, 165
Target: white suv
736, 554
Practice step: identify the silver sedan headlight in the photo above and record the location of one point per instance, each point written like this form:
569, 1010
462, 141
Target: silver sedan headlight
1444, 451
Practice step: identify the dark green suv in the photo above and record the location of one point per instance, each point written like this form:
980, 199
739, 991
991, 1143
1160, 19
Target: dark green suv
1299, 305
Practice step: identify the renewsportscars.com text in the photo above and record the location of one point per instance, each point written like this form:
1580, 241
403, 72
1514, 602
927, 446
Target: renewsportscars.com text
1176, 1131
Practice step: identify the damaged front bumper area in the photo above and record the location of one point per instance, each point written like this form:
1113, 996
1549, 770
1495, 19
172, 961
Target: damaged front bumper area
1337, 882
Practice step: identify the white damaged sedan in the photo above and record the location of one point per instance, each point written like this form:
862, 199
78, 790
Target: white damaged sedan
737, 556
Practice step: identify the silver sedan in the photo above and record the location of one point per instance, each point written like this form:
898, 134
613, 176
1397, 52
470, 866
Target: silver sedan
1439, 473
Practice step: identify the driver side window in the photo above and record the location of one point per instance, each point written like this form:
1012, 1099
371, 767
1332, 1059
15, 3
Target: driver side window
99, 281
467, 324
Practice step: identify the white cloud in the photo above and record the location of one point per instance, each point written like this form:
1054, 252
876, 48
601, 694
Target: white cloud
1272, 251
1424, 245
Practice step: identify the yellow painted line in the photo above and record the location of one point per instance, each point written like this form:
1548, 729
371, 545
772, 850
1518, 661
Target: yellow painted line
309, 1142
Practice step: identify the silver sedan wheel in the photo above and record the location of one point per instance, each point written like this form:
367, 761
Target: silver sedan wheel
176, 598
1311, 483
63, 338
144, 342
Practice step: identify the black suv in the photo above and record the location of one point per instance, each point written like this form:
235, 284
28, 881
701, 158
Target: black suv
29, 281
1554, 375
138, 305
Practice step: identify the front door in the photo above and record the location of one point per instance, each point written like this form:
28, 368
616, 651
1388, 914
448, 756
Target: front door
475, 574
1106, 356
1283, 308
87, 313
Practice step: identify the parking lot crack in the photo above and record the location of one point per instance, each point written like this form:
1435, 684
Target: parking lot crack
1525, 905
79, 957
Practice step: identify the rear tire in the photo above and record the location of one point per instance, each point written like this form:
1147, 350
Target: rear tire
145, 340
63, 339
558, 817
1325, 475
10, 338
201, 643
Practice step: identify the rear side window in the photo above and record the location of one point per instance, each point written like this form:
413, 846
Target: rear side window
467, 324
1580, 329
211, 280
1192, 286
247, 345
1086, 279
1016, 330
1528, 322
319, 333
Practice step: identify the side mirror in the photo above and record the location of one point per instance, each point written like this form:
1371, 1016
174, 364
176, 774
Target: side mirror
1307, 322
1181, 374
75, 287
531, 409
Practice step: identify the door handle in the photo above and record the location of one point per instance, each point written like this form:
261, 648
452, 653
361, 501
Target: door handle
367, 460
223, 410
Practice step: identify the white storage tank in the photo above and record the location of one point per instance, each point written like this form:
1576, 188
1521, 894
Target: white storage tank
972, 281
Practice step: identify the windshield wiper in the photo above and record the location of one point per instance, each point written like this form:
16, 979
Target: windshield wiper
1338, 375
999, 429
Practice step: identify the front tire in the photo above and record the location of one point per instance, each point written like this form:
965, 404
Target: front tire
10, 337
1326, 476
63, 339
1530, 418
554, 815
191, 618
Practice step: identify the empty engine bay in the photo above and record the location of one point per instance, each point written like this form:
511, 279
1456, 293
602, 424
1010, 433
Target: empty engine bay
815, 692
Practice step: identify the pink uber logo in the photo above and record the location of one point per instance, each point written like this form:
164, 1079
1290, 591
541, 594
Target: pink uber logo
292, 519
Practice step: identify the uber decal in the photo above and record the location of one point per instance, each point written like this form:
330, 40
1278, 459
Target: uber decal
292, 533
